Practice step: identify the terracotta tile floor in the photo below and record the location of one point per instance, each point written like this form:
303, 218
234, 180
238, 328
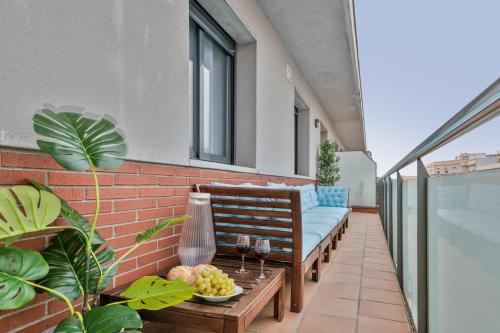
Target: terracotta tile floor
358, 291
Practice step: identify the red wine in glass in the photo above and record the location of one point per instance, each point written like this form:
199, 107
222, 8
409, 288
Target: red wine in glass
262, 250
262, 254
243, 246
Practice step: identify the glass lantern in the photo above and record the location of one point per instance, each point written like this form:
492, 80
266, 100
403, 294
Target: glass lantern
197, 242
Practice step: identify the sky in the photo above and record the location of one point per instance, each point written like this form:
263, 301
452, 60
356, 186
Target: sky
421, 62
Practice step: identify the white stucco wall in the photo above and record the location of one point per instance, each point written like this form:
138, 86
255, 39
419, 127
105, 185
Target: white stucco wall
129, 59
359, 173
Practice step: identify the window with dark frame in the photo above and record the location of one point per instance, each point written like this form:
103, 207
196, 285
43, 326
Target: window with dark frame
296, 138
211, 88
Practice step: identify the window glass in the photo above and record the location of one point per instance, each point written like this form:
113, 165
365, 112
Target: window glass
211, 61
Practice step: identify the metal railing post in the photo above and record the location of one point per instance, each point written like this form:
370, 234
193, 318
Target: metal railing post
389, 214
400, 229
422, 259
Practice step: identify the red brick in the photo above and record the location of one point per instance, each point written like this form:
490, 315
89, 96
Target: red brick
173, 181
15, 177
134, 204
201, 181
145, 248
134, 275
126, 167
22, 317
133, 228
211, 174
113, 193
70, 194
152, 169
32, 244
167, 263
88, 207
127, 265
229, 175
116, 218
172, 201
155, 256
46, 323
57, 305
168, 242
26, 160
190, 172
74, 178
155, 213
121, 242
182, 190
135, 180
179, 210
105, 232
156, 192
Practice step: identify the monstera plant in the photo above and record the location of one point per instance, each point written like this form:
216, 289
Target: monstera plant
77, 264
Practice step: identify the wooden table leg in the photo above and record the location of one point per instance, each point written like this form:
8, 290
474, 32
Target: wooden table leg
279, 302
234, 326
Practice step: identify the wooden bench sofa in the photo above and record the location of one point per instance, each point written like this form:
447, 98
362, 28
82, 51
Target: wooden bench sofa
299, 240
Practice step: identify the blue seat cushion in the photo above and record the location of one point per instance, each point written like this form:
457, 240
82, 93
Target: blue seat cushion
333, 196
330, 221
337, 212
320, 229
309, 243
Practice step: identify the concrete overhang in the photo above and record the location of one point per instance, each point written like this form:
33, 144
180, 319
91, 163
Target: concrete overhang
321, 36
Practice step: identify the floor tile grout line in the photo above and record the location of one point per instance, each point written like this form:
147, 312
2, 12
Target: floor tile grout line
361, 278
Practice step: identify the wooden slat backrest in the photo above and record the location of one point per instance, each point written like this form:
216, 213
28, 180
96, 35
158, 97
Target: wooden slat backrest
257, 212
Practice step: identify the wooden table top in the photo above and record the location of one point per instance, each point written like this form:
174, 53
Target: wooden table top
234, 308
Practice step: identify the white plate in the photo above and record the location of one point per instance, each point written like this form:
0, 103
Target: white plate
238, 290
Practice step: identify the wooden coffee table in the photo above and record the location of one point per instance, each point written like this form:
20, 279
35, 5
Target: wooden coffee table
227, 317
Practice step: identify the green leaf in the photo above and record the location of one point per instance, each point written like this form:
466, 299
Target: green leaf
69, 325
66, 258
151, 232
105, 319
71, 215
25, 209
77, 142
155, 293
16, 267
113, 318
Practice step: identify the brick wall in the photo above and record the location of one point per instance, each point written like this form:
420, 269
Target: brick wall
134, 197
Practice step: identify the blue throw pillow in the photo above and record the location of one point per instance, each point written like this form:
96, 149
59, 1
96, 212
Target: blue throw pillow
333, 196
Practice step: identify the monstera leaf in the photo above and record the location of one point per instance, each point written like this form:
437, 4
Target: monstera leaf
77, 142
25, 209
106, 319
16, 267
66, 258
155, 293
71, 215
151, 232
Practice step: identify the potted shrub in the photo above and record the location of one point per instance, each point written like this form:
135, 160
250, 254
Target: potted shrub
328, 164
77, 264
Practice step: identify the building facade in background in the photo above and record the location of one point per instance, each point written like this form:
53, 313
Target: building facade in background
465, 162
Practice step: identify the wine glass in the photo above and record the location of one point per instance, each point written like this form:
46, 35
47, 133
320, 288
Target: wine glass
262, 249
243, 246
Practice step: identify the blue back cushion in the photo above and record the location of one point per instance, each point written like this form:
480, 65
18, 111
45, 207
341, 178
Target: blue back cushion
308, 196
333, 196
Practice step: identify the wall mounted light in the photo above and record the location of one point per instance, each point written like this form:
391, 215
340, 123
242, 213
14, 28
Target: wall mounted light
316, 123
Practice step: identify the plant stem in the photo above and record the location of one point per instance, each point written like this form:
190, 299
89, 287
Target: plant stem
89, 240
55, 292
114, 264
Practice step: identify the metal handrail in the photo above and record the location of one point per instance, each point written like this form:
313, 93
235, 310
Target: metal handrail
481, 109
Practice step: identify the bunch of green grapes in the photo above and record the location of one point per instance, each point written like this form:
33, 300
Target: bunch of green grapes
214, 283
